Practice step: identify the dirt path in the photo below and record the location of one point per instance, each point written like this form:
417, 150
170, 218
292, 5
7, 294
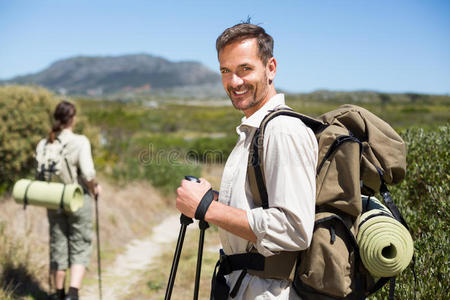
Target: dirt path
128, 266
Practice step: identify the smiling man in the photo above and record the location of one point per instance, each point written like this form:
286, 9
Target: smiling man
246, 77
259, 245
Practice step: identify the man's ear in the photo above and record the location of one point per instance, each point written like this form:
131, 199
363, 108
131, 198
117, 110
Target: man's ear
271, 69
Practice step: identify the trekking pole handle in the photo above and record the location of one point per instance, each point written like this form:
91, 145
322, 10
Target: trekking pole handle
192, 178
195, 179
185, 220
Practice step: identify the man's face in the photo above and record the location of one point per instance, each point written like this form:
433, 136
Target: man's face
245, 77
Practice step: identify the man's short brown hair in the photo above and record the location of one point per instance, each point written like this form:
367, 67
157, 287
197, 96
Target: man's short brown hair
244, 31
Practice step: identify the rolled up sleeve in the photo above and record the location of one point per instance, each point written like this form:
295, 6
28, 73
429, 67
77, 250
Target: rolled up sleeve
290, 160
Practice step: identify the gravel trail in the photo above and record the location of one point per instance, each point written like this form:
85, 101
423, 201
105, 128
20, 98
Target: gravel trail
119, 278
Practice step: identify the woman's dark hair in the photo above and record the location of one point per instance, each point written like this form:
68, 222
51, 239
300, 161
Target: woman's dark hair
244, 31
63, 115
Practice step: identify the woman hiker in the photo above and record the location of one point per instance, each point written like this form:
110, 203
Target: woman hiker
70, 233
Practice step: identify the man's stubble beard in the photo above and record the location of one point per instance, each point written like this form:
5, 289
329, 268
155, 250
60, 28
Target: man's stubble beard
254, 90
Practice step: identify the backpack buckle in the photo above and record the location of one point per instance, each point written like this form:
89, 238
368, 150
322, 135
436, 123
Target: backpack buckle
225, 264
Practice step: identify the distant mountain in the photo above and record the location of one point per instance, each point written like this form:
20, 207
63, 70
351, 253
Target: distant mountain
140, 73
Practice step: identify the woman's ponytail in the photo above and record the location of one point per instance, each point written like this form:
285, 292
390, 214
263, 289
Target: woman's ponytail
56, 128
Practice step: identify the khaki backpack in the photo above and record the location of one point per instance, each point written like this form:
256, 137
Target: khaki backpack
52, 164
358, 153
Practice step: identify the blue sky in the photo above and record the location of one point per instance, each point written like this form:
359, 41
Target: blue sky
391, 46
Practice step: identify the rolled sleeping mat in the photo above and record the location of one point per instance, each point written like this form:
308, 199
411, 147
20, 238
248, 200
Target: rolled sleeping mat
386, 246
51, 195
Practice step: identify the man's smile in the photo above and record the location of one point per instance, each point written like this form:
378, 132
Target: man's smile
240, 91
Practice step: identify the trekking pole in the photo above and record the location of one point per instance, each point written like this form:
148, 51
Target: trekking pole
203, 225
184, 221
99, 265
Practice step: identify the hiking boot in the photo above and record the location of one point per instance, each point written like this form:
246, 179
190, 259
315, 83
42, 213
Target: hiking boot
72, 294
56, 296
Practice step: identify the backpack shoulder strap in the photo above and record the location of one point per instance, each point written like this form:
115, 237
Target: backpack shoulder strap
255, 169
67, 163
64, 157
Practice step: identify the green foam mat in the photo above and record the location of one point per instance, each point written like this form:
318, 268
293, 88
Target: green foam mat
49, 194
386, 246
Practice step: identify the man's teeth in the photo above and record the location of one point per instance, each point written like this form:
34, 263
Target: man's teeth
240, 92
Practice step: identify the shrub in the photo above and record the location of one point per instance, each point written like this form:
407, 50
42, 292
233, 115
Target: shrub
211, 150
162, 173
423, 198
25, 114
160, 160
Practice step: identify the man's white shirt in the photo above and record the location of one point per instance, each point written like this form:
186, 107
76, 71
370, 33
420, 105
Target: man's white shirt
290, 160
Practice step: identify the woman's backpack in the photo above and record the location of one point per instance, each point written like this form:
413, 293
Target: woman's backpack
52, 164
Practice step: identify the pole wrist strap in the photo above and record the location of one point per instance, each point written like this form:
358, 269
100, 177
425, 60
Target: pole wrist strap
204, 205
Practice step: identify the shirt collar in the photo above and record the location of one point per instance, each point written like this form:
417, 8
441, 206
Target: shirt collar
256, 118
65, 132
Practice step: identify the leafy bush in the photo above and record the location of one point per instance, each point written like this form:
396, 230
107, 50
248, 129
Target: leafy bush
211, 150
165, 159
25, 114
159, 159
423, 198
162, 172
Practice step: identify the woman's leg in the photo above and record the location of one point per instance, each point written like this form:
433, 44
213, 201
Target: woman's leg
76, 275
59, 247
80, 242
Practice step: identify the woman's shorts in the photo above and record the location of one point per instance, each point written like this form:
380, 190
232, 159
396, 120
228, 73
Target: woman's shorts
70, 236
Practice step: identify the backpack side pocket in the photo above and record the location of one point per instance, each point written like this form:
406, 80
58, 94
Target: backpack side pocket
325, 270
